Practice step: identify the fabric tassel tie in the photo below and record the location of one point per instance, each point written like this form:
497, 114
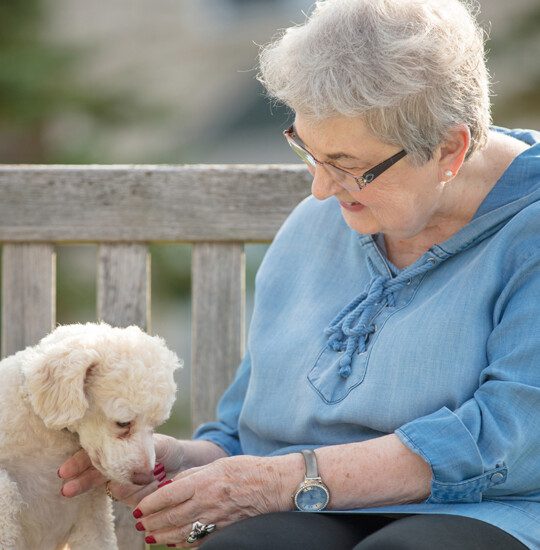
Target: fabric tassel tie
350, 329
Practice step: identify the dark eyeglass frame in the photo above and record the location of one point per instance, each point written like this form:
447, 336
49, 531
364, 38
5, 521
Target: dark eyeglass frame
361, 181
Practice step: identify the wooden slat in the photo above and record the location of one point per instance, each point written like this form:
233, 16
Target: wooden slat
123, 286
148, 203
218, 311
123, 208
28, 294
123, 295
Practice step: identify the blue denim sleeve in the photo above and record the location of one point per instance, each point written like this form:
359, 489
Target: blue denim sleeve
489, 446
224, 431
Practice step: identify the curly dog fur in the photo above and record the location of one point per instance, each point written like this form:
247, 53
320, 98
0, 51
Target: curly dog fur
68, 392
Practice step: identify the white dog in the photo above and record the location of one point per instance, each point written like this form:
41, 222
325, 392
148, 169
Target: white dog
92, 386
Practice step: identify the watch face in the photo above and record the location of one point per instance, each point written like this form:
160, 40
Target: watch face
312, 498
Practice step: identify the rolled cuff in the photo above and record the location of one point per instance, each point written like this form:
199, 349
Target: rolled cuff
210, 432
459, 473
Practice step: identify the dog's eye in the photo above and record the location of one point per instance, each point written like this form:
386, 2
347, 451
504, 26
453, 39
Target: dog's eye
123, 424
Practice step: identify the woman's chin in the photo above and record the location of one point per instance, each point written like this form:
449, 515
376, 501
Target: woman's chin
362, 223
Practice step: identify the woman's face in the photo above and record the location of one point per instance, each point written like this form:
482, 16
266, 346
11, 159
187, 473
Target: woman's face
401, 202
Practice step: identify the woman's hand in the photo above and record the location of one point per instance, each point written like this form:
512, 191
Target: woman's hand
223, 492
81, 476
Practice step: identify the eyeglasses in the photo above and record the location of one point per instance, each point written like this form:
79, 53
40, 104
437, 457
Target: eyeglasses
342, 177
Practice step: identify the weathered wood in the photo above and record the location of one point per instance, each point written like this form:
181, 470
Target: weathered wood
123, 209
28, 295
123, 285
148, 203
218, 312
123, 296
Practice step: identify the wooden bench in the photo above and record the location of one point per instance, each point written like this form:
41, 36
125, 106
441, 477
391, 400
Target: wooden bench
124, 209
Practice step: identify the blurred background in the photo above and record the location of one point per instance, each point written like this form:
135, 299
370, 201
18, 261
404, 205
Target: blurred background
173, 81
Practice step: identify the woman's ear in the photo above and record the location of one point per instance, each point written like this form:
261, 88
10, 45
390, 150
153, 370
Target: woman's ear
454, 149
55, 377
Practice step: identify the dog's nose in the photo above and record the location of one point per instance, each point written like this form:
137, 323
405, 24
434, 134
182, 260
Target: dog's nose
142, 478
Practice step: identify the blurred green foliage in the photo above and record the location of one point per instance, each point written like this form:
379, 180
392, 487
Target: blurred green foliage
39, 80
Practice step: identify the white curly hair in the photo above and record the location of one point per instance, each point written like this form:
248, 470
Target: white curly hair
411, 69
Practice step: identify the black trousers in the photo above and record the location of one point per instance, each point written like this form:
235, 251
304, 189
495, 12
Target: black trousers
320, 531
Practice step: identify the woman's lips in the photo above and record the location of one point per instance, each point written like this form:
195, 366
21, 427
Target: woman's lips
353, 207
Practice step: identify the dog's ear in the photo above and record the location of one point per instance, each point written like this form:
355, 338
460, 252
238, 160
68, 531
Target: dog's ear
55, 379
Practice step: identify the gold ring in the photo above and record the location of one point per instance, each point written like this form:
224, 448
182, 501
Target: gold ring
108, 491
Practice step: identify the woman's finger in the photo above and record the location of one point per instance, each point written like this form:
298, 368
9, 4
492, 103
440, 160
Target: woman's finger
75, 465
131, 494
171, 519
175, 536
171, 494
89, 479
169, 452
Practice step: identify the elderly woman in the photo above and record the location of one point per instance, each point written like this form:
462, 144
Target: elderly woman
391, 379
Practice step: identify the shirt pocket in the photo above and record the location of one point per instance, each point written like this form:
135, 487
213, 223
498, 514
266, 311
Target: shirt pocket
325, 379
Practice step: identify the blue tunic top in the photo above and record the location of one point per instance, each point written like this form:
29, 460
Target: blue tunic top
343, 346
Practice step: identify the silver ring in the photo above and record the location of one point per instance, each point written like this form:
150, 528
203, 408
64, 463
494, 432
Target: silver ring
108, 491
199, 530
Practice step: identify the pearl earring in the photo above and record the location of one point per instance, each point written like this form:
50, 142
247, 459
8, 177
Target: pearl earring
449, 173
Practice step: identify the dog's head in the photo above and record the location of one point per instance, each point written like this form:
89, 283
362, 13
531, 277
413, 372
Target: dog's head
112, 386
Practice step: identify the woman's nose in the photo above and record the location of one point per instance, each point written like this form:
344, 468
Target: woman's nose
323, 186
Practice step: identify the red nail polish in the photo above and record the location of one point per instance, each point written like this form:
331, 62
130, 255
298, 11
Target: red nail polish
162, 476
150, 540
139, 526
137, 513
158, 469
162, 484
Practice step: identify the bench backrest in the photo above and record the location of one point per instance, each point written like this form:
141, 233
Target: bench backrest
124, 209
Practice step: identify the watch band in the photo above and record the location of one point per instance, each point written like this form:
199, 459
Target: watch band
312, 495
311, 464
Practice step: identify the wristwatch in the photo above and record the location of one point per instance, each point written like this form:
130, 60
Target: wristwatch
312, 494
